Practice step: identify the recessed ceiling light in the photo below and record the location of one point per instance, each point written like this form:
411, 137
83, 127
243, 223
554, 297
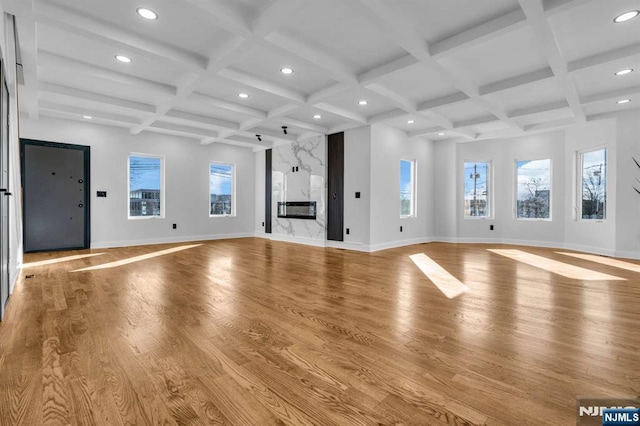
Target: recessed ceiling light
243, 95
363, 102
147, 13
87, 117
625, 71
123, 58
286, 70
627, 16
441, 134
410, 121
317, 116
623, 101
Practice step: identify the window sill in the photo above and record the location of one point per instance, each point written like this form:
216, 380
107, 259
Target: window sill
221, 215
144, 217
533, 219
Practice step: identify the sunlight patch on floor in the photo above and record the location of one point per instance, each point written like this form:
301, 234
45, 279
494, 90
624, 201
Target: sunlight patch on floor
634, 267
137, 258
554, 266
59, 260
449, 285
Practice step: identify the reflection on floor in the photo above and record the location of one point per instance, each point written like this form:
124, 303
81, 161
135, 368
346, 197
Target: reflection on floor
554, 266
449, 285
59, 260
605, 261
137, 258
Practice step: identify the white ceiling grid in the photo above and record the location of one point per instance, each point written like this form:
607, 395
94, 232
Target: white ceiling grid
459, 70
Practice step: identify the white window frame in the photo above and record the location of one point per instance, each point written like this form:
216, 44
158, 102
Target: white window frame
579, 187
233, 189
163, 200
489, 188
515, 210
414, 189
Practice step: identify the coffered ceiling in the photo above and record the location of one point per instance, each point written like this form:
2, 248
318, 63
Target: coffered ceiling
456, 70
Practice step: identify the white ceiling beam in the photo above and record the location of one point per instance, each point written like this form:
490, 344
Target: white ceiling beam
445, 100
396, 99
351, 116
630, 51
226, 105
314, 55
328, 92
552, 106
492, 29
517, 81
554, 7
475, 121
247, 125
260, 84
387, 115
192, 132
610, 95
201, 119
312, 128
75, 117
426, 131
447, 124
280, 111
95, 97
534, 10
378, 73
63, 18
48, 59
563, 122
80, 113
224, 16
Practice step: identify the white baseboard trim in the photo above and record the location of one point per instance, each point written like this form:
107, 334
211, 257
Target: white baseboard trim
296, 240
548, 244
401, 243
168, 240
348, 246
590, 249
628, 254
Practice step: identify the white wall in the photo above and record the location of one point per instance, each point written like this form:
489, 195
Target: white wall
186, 183
357, 178
628, 175
388, 147
618, 235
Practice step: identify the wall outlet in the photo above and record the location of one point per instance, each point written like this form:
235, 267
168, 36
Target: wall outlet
262, 223
490, 227
101, 194
347, 231
175, 226
401, 229
357, 194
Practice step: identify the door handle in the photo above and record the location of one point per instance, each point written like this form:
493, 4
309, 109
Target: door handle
5, 191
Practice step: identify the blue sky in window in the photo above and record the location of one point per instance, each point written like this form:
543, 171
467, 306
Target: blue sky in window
144, 173
220, 179
405, 179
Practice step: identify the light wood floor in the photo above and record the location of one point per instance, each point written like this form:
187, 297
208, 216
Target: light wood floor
254, 332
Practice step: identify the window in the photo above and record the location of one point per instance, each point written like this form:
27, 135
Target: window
145, 186
476, 190
533, 199
221, 189
593, 203
407, 188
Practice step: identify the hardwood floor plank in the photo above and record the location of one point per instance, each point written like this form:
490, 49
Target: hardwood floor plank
256, 332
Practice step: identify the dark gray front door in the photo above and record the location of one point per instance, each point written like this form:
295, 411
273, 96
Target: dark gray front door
55, 196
